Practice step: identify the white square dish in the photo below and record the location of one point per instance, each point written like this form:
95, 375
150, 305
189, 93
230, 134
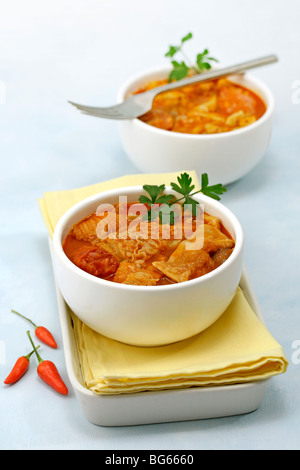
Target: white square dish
162, 406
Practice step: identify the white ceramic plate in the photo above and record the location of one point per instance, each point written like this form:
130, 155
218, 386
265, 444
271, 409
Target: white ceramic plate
162, 406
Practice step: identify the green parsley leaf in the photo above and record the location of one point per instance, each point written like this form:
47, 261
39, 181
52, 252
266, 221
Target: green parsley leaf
204, 180
164, 202
165, 199
172, 51
153, 191
145, 200
185, 187
185, 184
203, 60
186, 38
155, 198
212, 191
180, 70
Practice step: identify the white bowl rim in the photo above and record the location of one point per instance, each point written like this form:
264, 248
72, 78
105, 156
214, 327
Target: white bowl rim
260, 85
57, 243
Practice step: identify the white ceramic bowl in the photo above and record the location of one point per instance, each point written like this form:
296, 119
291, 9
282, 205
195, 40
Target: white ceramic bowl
226, 157
147, 315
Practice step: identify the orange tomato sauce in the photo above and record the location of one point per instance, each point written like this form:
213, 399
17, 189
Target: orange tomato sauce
204, 108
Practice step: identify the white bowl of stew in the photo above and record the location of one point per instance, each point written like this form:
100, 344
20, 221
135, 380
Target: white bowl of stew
138, 302
221, 127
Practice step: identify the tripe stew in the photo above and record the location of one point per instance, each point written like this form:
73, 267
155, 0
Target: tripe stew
145, 261
203, 108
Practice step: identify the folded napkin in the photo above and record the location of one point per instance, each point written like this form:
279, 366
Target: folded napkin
237, 348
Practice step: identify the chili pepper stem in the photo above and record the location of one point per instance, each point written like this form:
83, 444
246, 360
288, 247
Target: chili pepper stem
42, 333
30, 354
28, 319
34, 347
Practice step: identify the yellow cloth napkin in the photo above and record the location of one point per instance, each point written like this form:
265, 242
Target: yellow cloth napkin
237, 348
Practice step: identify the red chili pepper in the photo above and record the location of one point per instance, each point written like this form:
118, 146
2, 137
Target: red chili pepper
19, 369
41, 332
48, 372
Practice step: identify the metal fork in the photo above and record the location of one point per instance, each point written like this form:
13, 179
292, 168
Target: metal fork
139, 104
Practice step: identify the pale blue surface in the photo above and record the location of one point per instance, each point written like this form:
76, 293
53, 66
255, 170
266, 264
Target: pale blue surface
83, 50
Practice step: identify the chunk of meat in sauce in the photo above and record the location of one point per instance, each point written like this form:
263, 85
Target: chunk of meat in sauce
158, 118
95, 261
222, 255
132, 273
232, 99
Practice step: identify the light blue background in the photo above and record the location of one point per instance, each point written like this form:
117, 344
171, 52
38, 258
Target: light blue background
83, 50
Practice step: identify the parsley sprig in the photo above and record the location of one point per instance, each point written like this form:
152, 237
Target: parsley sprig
181, 69
164, 202
161, 201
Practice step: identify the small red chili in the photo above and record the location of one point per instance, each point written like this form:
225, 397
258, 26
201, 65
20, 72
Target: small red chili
19, 369
48, 372
41, 332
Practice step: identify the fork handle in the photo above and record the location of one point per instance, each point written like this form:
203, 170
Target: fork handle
238, 68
